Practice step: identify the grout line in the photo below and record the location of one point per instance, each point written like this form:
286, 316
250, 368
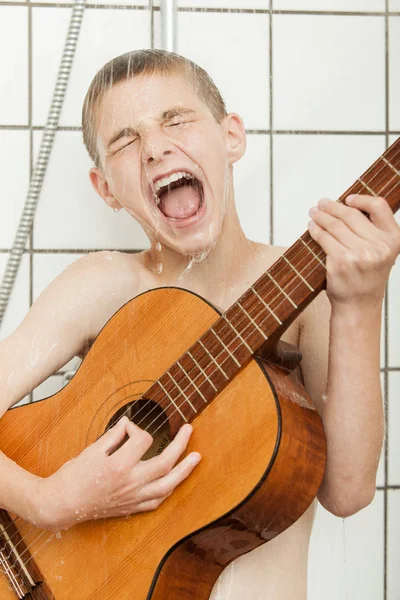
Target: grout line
386, 329
200, 9
387, 487
248, 131
151, 9
71, 5
271, 124
30, 80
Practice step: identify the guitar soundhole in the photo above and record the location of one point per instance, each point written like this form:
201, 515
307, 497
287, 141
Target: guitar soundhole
147, 415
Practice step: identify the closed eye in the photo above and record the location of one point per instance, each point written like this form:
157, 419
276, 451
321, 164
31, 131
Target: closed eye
128, 144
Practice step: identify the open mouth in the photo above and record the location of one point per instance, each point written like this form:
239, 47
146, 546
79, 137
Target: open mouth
179, 197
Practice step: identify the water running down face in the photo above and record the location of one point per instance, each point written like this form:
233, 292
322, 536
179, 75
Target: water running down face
166, 160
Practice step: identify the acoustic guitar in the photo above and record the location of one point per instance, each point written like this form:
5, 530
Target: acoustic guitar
167, 358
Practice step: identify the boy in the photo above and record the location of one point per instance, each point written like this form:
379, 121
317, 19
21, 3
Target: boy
164, 148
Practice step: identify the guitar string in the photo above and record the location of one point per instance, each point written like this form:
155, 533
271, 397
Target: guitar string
244, 319
176, 399
15, 546
268, 316
229, 344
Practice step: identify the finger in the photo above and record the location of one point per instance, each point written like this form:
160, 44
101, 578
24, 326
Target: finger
166, 485
161, 465
378, 209
150, 504
113, 437
336, 228
327, 242
357, 221
137, 444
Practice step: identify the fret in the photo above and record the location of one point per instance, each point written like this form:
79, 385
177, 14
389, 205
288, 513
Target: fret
391, 166
238, 334
298, 274
312, 252
181, 391
191, 381
172, 401
281, 290
252, 320
226, 348
213, 359
266, 305
199, 367
367, 187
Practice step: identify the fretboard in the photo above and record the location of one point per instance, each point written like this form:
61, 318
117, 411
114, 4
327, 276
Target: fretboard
265, 311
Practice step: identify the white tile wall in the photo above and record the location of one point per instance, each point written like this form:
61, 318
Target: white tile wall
68, 197
394, 66
394, 420
328, 73
393, 301
110, 3
14, 177
14, 65
242, 74
321, 65
393, 545
310, 167
341, 549
331, 5
252, 180
247, 4
19, 301
97, 44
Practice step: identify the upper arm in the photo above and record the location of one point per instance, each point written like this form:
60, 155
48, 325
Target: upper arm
54, 331
314, 346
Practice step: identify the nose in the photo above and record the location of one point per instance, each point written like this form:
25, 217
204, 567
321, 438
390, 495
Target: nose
155, 145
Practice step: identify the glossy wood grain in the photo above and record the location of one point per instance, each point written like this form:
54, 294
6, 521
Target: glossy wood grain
139, 343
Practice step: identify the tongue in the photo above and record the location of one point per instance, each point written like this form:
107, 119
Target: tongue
180, 203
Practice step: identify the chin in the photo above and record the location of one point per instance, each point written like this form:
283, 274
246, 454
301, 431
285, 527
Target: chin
195, 244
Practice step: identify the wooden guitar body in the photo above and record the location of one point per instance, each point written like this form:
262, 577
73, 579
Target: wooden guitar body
263, 457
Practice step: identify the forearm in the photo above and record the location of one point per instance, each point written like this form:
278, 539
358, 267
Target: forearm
352, 411
16, 489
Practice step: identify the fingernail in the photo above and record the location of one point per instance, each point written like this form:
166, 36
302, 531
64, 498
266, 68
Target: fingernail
195, 457
313, 210
349, 199
323, 202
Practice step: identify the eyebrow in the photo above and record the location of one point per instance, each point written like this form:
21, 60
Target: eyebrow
166, 115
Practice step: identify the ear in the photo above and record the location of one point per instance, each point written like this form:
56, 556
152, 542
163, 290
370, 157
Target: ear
100, 184
235, 137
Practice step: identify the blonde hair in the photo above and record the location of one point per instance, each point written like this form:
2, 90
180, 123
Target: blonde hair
146, 62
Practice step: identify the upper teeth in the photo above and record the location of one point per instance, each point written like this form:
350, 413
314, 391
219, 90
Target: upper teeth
174, 177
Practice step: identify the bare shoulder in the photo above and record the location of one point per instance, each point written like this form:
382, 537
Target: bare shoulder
106, 280
65, 318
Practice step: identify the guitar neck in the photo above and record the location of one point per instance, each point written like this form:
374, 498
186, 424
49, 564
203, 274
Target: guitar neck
300, 274
266, 309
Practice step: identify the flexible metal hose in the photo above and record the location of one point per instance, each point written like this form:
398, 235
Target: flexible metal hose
35, 186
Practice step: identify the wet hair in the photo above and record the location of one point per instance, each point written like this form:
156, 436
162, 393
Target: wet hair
145, 62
